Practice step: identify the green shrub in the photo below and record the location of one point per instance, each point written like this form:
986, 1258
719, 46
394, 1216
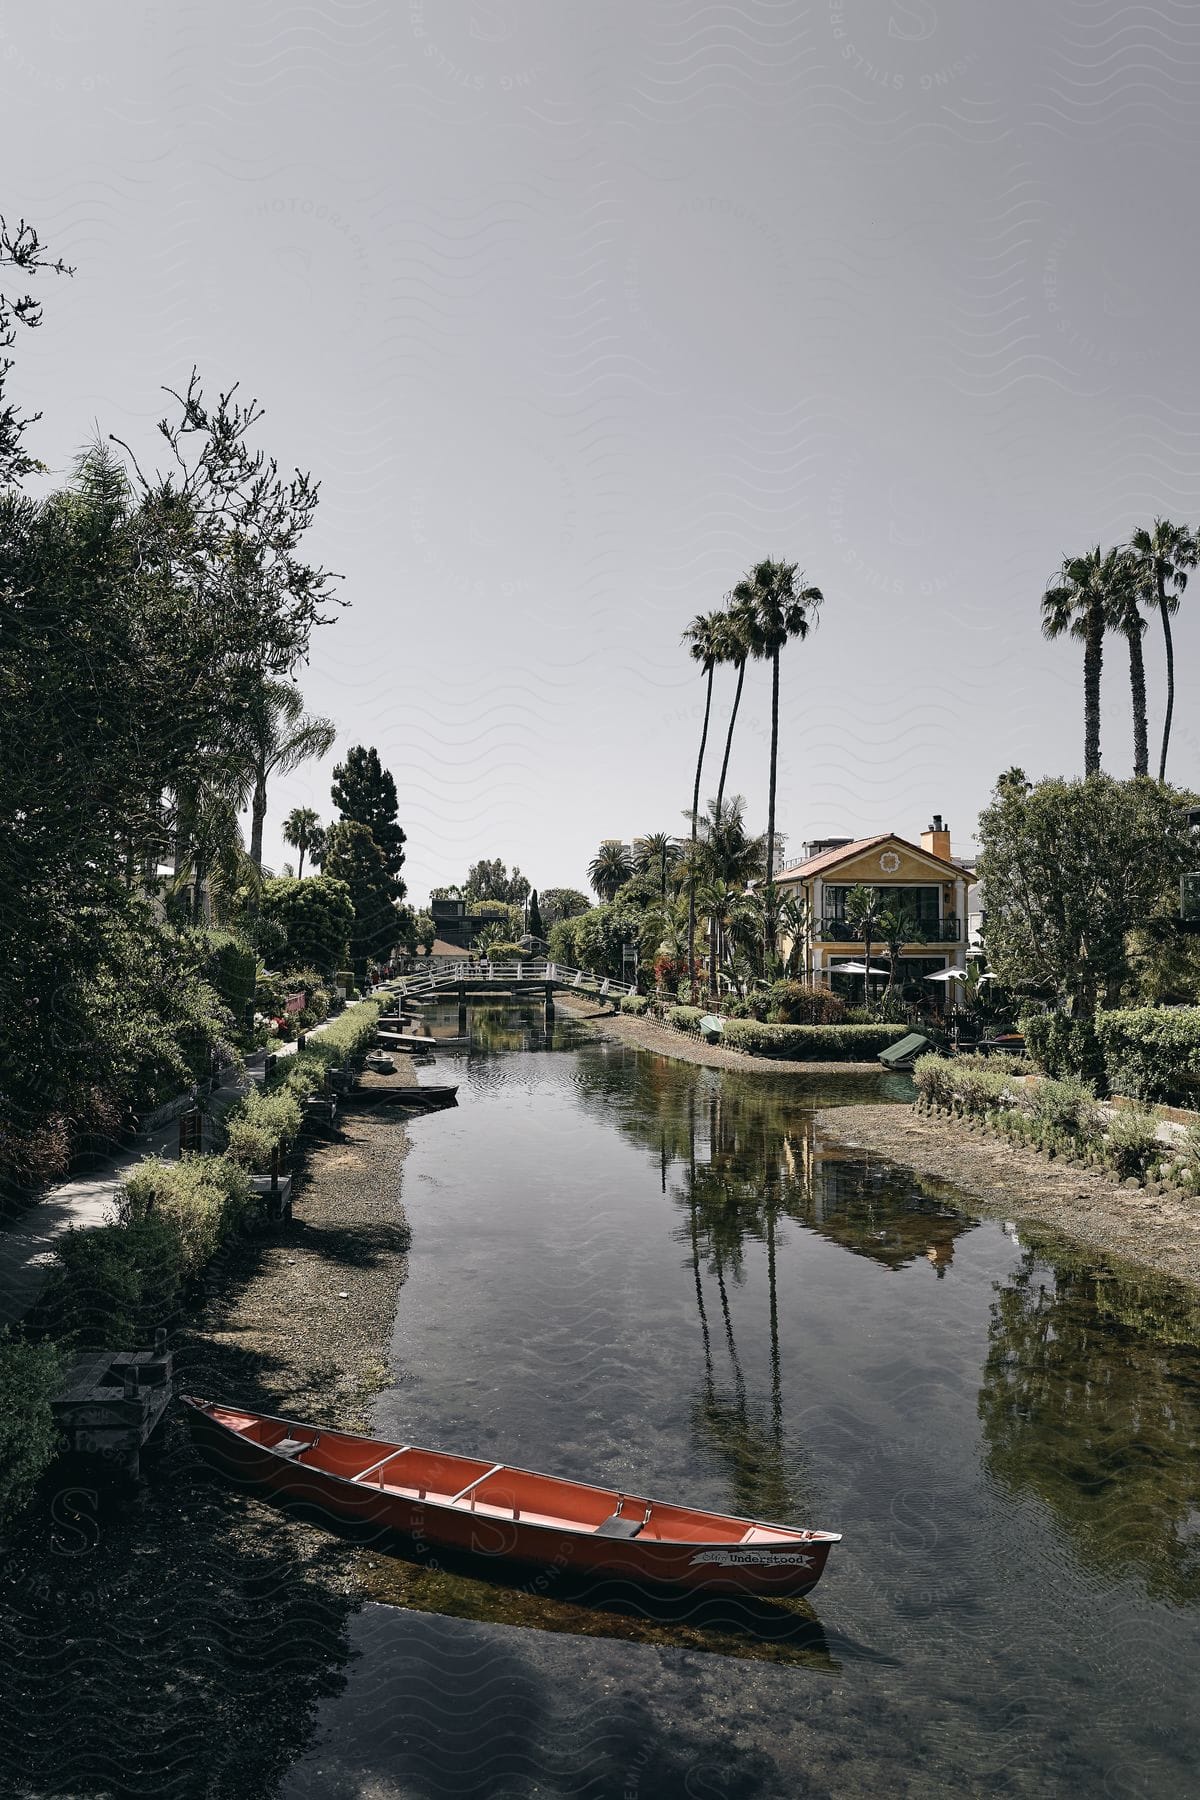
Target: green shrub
29, 1377
347, 1039
974, 1085
1063, 1047
1152, 1052
634, 1003
931, 1078
316, 914
259, 1124
795, 1003
201, 1198
812, 1043
685, 1018
1062, 1106
1132, 1142
116, 1283
746, 1006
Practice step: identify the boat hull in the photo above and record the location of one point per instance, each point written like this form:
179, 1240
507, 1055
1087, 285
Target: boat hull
426, 1528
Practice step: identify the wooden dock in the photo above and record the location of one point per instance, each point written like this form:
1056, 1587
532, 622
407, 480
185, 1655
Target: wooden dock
111, 1402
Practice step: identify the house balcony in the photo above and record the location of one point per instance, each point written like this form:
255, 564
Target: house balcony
947, 930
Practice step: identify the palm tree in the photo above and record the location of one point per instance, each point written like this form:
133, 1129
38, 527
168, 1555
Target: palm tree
896, 926
1079, 603
211, 865
737, 640
301, 829
726, 851
792, 915
610, 868
657, 847
704, 641
784, 611
1163, 555
279, 736
863, 908
1125, 617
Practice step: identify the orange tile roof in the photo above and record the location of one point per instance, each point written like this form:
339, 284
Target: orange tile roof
829, 859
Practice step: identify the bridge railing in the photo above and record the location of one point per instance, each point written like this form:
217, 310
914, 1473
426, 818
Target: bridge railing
511, 974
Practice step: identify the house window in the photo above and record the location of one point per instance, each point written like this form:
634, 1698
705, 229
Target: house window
923, 902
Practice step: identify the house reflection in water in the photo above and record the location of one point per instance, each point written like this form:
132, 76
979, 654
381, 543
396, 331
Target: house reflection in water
872, 1209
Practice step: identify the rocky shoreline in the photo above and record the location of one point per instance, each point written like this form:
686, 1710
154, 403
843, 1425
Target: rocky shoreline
1153, 1227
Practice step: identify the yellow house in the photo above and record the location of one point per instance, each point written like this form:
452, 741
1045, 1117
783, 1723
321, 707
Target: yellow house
921, 879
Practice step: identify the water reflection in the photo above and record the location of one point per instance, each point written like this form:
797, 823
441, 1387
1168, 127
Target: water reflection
621, 1265
1091, 1401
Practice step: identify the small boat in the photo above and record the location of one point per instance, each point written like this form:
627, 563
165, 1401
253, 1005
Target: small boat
903, 1055
469, 1505
434, 1094
404, 1040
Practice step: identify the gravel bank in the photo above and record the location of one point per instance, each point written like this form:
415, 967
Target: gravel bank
1155, 1228
649, 1034
173, 1642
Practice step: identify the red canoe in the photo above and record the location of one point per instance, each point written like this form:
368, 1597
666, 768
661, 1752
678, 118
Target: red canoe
465, 1504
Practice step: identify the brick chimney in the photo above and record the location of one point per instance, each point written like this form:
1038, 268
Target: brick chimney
936, 838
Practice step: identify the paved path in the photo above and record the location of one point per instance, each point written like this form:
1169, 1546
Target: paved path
28, 1242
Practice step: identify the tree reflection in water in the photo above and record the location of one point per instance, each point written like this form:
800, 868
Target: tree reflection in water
748, 1162
1091, 1402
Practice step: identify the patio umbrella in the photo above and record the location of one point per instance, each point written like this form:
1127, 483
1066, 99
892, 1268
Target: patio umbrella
948, 975
856, 968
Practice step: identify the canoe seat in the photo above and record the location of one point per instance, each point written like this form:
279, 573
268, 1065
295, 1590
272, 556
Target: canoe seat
293, 1446
618, 1526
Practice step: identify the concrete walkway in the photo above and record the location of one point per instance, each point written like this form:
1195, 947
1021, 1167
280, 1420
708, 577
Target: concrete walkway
28, 1242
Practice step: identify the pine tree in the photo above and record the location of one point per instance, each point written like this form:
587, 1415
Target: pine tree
365, 793
535, 917
353, 856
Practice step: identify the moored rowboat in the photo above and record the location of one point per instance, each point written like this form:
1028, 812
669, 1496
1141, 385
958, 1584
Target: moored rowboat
469, 1505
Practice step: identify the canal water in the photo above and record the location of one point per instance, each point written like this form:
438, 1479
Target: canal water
663, 1277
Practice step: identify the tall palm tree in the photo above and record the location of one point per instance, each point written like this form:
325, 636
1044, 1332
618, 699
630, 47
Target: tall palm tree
1163, 555
738, 641
301, 829
610, 868
785, 609
279, 736
1125, 617
1080, 603
704, 641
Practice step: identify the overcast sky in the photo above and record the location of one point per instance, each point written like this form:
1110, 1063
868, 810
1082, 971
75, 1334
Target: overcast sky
577, 310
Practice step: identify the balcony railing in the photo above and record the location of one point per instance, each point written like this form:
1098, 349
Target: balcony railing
947, 930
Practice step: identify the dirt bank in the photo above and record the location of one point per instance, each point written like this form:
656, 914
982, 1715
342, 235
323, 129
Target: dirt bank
174, 1640
650, 1034
1154, 1227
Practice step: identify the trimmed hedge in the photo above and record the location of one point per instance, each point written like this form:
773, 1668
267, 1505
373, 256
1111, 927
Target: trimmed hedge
1152, 1052
1146, 1052
812, 1043
634, 1003
29, 1376
685, 1018
1061, 1046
